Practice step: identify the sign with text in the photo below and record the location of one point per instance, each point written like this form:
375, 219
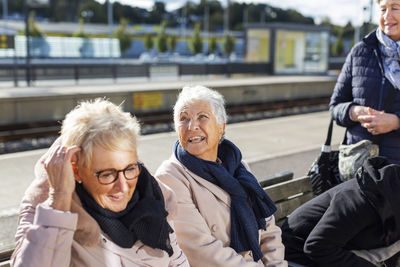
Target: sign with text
147, 100
7, 41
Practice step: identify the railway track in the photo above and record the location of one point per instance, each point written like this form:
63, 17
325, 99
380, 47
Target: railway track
236, 112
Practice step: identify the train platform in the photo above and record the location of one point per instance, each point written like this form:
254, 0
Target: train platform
270, 146
50, 101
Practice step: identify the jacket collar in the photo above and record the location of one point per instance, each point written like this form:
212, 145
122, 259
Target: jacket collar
214, 189
372, 42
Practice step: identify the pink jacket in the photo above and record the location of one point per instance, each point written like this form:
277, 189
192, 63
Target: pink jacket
202, 222
48, 237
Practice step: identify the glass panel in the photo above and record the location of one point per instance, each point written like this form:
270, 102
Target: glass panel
258, 42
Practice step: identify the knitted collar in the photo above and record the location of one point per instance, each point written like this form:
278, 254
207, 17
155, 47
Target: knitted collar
143, 219
391, 55
250, 205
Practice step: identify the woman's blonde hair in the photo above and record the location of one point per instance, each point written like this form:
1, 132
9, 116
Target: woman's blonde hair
102, 123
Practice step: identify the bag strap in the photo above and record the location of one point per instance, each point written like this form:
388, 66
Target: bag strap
327, 146
387, 107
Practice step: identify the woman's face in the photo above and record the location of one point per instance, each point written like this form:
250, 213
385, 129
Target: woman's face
113, 196
389, 20
198, 130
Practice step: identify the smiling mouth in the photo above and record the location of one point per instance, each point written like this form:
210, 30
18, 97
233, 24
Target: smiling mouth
115, 198
196, 139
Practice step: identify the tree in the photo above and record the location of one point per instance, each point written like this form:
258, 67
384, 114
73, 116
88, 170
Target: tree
172, 43
196, 43
161, 41
122, 34
80, 33
212, 45
229, 44
148, 41
338, 47
34, 30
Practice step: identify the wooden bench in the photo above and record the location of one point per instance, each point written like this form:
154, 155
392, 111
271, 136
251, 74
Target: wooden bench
287, 193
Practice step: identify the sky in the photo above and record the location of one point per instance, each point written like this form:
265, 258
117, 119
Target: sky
339, 11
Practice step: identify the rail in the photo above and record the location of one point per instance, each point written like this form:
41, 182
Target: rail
77, 70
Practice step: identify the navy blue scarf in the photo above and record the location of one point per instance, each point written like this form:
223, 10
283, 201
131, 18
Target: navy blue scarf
250, 205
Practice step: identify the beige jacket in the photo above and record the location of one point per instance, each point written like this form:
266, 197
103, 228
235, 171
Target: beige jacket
202, 222
48, 237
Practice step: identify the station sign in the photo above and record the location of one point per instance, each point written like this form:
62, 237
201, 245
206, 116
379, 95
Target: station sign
147, 100
7, 41
37, 3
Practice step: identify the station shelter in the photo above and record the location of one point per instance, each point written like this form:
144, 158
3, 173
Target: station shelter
289, 48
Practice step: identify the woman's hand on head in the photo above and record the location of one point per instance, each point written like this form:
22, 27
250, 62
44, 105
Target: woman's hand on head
379, 122
61, 176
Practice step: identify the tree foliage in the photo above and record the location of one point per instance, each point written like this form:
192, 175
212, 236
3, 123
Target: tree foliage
34, 30
338, 47
212, 44
172, 43
80, 33
148, 41
122, 34
161, 41
229, 44
196, 42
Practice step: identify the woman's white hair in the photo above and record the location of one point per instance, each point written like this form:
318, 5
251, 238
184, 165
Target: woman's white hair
102, 123
191, 94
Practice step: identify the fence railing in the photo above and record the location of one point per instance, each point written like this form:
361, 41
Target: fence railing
16, 71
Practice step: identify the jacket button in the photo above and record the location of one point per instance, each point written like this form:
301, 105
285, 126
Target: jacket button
214, 227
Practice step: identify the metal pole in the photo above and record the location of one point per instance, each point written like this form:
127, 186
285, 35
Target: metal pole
206, 18
110, 25
28, 53
5, 12
226, 18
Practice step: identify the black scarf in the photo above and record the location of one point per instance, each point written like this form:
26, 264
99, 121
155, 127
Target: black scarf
250, 205
143, 219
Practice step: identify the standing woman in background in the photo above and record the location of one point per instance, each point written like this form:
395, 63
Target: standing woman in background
224, 217
371, 69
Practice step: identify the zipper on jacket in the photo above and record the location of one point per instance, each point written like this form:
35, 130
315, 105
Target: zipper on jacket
380, 103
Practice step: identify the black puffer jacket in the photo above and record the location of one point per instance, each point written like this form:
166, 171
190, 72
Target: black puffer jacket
362, 82
359, 214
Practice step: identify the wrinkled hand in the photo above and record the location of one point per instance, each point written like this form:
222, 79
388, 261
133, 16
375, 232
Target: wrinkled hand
357, 111
61, 176
380, 122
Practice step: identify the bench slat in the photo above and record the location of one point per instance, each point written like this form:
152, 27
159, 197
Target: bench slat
289, 188
287, 207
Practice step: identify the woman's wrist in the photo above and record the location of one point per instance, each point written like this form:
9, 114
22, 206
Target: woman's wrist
60, 200
352, 114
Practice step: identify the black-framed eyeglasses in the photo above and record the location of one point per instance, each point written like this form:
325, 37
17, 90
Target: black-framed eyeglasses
109, 176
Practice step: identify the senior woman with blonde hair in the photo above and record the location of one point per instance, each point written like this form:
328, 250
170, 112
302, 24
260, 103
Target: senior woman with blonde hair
224, 218
93, 203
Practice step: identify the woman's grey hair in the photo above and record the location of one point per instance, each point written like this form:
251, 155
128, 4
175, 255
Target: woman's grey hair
100, 123
191, 94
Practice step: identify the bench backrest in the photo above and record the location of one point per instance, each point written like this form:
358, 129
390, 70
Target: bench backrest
289, 195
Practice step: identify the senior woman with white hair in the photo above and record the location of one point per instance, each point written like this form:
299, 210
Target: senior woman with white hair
93, 203
224, 218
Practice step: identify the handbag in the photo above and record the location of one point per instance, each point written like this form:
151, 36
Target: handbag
324, 171
352, 157
333, 167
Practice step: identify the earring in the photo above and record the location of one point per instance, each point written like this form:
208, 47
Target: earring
79, 182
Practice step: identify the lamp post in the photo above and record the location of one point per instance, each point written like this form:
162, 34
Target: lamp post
28, 52
110, 25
